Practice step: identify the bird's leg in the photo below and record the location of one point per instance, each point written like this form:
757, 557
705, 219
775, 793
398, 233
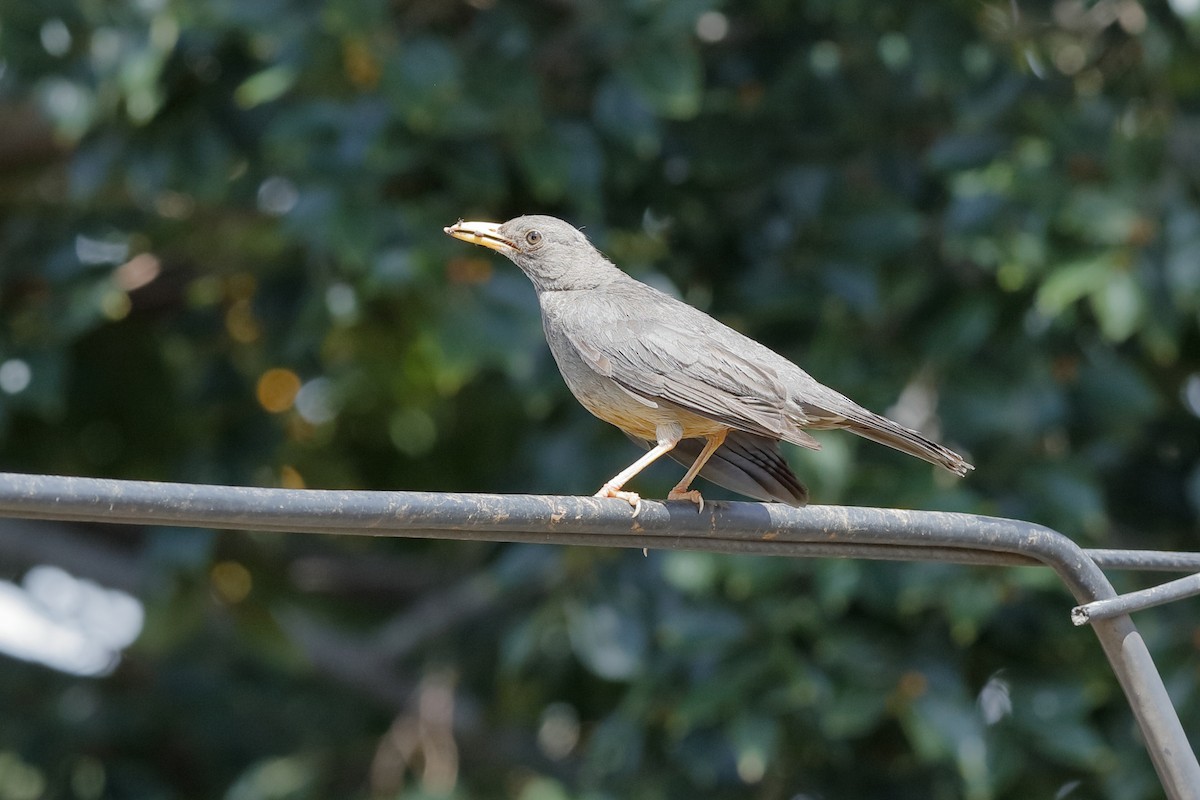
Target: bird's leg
681, 491
668, 436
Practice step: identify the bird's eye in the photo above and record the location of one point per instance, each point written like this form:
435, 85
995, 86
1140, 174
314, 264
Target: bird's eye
533, 238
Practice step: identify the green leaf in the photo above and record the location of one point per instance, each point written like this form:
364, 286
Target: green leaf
1119, 305
265, 86
1071, 281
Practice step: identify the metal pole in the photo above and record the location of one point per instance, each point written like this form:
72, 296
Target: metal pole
721, 527
1136, 601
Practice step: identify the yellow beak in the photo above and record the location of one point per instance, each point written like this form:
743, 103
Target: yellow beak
484, 233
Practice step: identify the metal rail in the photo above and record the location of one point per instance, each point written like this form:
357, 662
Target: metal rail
1136, 601
768, 529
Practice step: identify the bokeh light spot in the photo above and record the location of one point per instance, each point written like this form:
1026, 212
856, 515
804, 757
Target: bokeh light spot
277, 196
290, 478
712, 26
825, 58
413, 431
314, 401
277, 389
15, 376
751, 767
115, 304
137, 272
231, 581
100, 251
1190, 393
342, 302
67, 623
20, 780
56, 37
558, 732
240, 322
894, 50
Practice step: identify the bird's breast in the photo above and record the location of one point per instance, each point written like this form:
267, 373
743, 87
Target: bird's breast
606, 399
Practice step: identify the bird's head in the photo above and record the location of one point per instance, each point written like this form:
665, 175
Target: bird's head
554, 254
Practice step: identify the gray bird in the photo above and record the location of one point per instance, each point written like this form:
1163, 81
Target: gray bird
674, 379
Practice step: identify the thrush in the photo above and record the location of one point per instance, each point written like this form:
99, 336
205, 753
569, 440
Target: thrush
674, 379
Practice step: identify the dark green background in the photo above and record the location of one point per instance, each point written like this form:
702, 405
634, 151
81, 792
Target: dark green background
981, 217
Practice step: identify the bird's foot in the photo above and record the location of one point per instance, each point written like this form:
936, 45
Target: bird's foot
632, 498
692, 494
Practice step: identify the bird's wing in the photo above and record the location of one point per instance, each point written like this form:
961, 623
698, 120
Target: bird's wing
681, 361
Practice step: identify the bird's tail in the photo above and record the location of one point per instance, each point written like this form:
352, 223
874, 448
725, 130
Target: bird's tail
882, 430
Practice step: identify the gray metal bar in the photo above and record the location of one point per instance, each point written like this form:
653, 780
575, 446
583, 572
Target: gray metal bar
1127, 603
722, 527
1150, 560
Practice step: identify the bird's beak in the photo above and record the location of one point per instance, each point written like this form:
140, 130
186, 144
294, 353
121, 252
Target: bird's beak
484, 233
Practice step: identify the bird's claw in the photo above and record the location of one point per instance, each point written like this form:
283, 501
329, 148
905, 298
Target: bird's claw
629, 497
693, 495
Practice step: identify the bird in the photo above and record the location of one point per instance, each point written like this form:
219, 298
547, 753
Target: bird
676, 380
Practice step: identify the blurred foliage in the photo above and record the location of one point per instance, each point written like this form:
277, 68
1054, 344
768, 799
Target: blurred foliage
221, 260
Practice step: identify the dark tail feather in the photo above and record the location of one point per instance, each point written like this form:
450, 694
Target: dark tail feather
884, 431
747, 464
